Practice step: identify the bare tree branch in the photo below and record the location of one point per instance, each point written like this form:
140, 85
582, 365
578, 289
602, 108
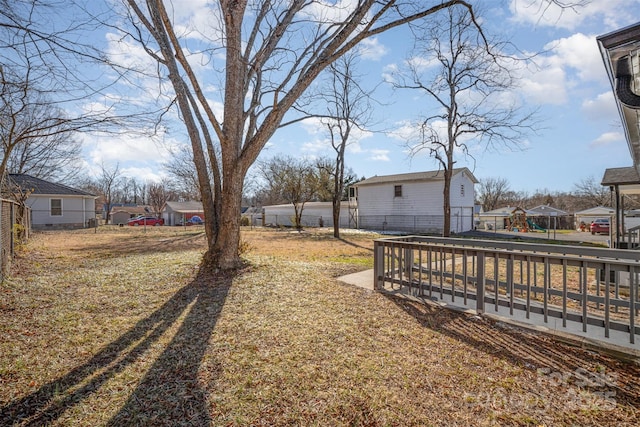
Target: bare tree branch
470, 84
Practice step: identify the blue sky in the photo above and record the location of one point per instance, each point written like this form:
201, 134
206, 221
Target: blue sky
581, 134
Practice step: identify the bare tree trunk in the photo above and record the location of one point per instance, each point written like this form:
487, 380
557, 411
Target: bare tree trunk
336, 218
255, 99
446, 232
223, 252
337, 191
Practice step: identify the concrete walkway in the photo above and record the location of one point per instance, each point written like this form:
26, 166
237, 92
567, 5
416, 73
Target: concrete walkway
617, 343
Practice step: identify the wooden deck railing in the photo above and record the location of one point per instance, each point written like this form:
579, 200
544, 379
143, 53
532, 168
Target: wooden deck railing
598, 288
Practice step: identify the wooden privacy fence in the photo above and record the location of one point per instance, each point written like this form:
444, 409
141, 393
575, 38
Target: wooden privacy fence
593, 287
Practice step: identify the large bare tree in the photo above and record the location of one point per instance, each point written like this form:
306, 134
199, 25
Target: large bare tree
52, 86
493, 192
348, 109
36, 136
592, 192
270, 52
468, 81
184, 177
158, 197
292, 181
108, 186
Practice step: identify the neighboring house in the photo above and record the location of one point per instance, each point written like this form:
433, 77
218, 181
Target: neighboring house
179, 212
414, 201
122, 213
588, 215
56, 206
546, 210
314, 214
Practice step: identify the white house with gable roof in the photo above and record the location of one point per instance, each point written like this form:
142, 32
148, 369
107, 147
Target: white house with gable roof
413, 202
53, 205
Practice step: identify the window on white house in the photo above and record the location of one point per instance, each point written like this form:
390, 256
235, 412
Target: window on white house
461, 190
397, 191
56, 207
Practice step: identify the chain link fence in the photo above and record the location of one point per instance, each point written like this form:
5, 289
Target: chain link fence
14, 227
417, 224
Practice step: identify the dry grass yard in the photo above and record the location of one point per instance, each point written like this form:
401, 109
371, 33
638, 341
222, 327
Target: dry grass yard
117, 328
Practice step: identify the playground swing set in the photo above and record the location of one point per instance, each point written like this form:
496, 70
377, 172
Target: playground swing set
519, 222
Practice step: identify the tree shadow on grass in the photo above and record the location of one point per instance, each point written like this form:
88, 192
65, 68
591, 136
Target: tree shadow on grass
356, 245
169, 390
530, 349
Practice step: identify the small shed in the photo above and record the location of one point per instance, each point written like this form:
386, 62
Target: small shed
123, 213
176, 213
496, 219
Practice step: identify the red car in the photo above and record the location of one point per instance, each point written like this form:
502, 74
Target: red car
600, 226
145, 220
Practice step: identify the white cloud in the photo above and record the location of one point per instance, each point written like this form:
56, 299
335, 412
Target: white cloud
602, 107
389, 73
315, 148
404, 131
421, 64
546, 13
379, 155
128, 54
545, 86
607, 139
569, 63
313, 126
126, 150
318, 129
142, 174
580, 52
197, 20
372, 49
355, 148
330, 11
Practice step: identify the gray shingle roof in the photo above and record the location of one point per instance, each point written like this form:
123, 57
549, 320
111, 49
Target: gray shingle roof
546, 210
613, 176
40, 186
186, 207
436, 175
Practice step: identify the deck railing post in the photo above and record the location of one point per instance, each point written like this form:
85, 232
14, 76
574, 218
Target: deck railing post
480, 282
378, 266
408, 268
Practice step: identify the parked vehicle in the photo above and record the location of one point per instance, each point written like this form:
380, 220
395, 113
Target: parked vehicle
194, 220
600, 225
145, 220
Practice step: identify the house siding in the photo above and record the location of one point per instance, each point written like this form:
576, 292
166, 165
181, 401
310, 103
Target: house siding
419, 208
416, 199
76, 211
282, 215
